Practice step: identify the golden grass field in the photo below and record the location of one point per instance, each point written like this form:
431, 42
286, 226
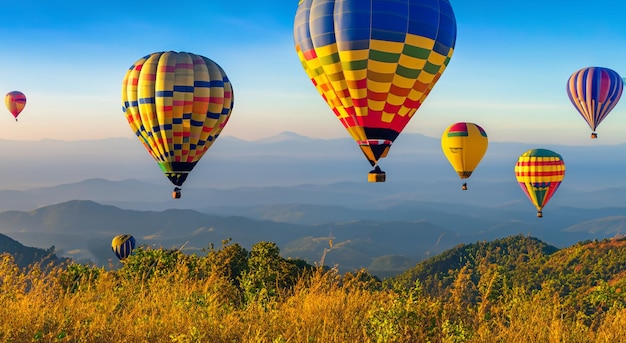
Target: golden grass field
180, 304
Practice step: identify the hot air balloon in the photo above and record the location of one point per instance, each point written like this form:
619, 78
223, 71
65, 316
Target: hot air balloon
464, 145
123, 245
374, 62
594, 91
539, 173
15, 102
177, 103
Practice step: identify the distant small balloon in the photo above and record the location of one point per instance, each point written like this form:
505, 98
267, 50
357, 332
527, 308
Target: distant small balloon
15, 102
123, 245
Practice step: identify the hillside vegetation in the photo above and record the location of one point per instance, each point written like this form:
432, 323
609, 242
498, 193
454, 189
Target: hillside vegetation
24, 256
516, 289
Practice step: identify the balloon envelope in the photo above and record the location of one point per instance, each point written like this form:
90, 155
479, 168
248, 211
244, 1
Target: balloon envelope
374, 61
464, 145
15, 102
177, 104
123, 245
539, 173
594, 91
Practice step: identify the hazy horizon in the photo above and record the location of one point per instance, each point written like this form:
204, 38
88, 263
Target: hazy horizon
292, 159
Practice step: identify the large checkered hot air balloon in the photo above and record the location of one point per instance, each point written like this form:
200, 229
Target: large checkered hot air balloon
539, 173
374, 62
594, 91
177, 103
15, 102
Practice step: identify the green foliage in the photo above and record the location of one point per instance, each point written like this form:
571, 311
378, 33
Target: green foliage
78, 276
145, 263
230, 261
361, 279
268, 272
406, 316
524, 255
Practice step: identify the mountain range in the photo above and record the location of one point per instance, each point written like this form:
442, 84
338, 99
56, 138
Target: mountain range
301, 193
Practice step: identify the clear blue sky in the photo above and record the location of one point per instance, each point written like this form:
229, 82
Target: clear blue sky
507, 74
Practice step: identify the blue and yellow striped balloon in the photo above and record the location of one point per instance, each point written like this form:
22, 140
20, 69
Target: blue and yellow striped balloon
177, 103
374, 61
123, 245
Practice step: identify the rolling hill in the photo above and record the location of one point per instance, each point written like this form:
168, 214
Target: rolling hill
395, 238
299, 191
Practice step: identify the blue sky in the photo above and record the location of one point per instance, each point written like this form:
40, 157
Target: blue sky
507, 74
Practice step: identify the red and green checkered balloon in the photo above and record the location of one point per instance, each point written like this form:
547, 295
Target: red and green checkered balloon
374, 61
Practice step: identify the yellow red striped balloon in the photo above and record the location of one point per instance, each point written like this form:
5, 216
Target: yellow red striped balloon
539, 173
176, 103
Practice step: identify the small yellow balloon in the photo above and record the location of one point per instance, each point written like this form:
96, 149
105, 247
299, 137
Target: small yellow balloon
464, 145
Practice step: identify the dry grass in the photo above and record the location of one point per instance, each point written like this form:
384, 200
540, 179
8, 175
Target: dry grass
37, 307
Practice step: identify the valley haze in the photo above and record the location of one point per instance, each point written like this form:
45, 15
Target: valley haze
299, 192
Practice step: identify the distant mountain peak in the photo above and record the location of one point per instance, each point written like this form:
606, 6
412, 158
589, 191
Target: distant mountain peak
284, 136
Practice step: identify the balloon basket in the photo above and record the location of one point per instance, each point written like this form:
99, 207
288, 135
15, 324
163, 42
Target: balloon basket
376, 176
539, 214
176, 193
594, 135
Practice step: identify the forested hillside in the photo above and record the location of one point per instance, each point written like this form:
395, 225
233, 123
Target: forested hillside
588, 277
25, 256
